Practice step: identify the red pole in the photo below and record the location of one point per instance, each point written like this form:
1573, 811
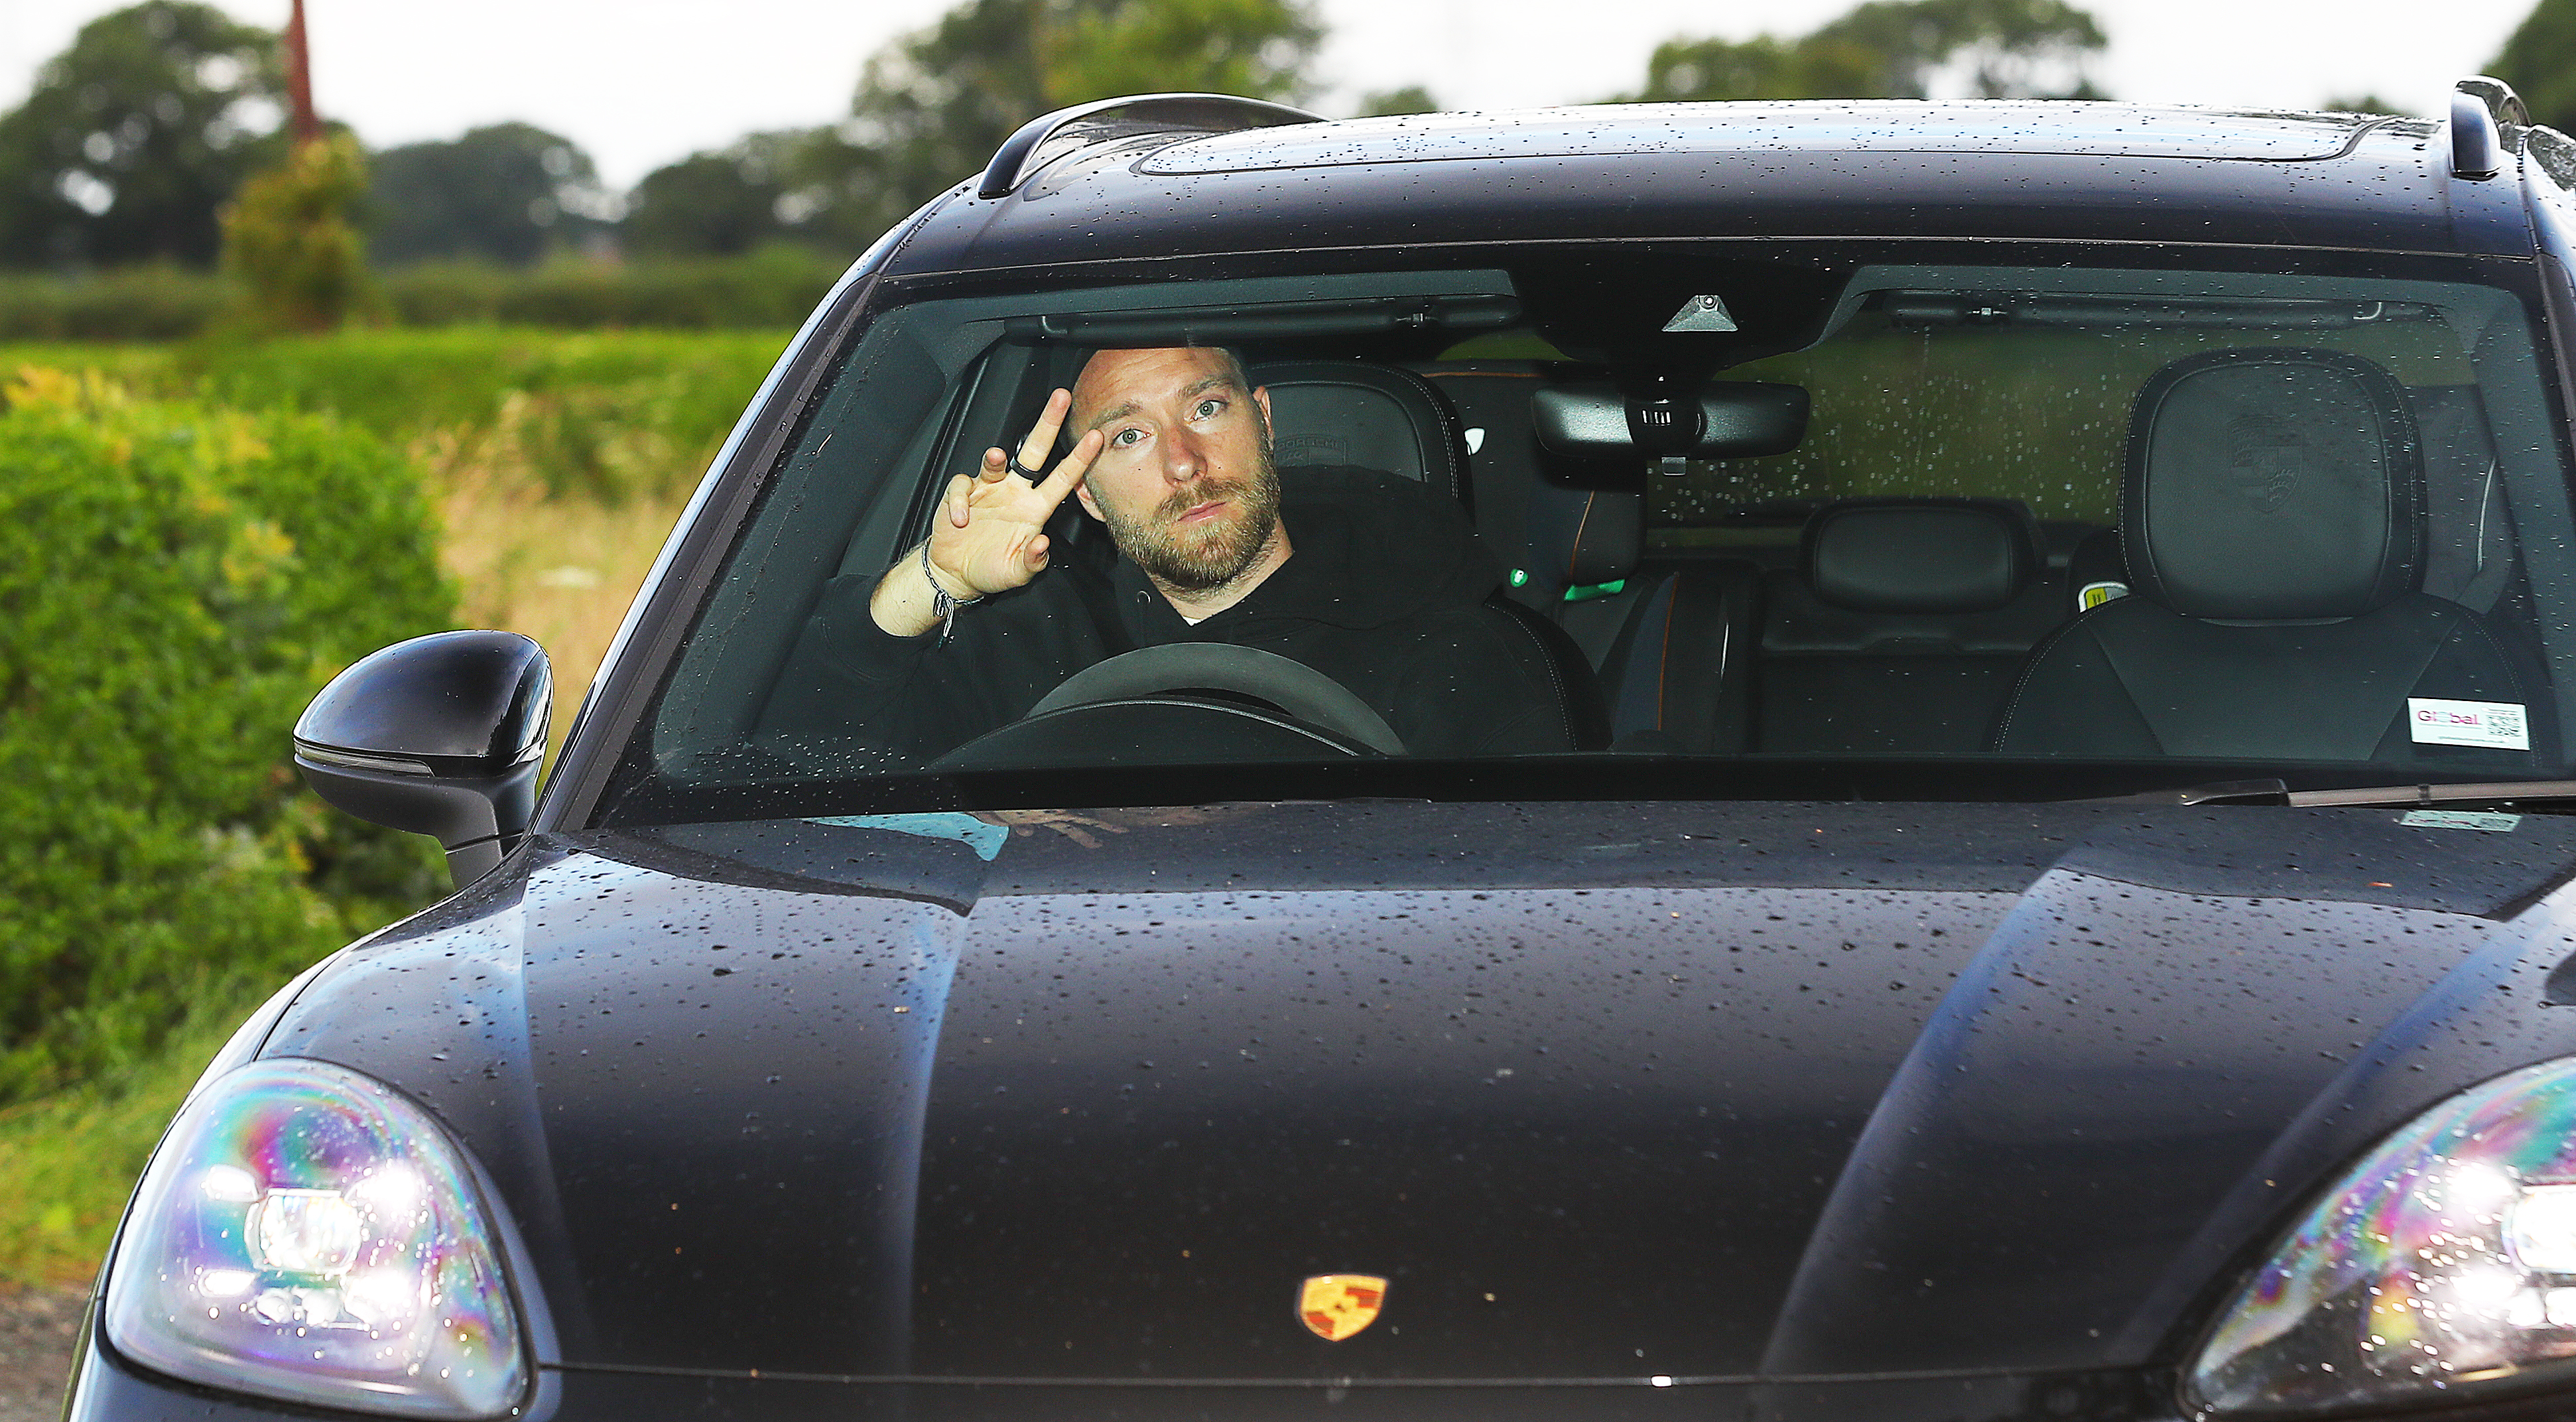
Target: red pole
299, 79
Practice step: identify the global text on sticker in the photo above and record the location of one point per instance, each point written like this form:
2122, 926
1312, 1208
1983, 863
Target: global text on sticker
2494, 725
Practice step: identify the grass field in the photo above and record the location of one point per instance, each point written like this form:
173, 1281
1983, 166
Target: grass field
557, 463
67, 1162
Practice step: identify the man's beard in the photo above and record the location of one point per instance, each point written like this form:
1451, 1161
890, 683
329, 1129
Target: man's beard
1202, 557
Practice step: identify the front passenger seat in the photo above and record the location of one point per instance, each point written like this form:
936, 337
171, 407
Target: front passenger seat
2273, 517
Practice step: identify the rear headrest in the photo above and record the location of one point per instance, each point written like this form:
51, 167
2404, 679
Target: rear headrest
1578, 537
1921, 555
1374, 416
2273, 485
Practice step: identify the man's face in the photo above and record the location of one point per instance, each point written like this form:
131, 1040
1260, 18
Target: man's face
1184, 479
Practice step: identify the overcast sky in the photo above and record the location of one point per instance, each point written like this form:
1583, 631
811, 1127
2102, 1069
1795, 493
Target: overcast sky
642, 82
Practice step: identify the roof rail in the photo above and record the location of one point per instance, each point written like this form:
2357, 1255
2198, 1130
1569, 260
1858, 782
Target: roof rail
1048, 137
2480, 106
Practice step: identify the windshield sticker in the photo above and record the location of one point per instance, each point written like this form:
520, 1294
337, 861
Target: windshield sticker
986, 840
2093, 595
2493, 725
2460, 819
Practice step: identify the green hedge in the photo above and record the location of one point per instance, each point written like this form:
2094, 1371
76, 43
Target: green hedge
776, 286
155, 303
176, 580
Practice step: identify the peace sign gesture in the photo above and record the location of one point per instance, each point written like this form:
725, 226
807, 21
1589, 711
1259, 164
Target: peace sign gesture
989, 534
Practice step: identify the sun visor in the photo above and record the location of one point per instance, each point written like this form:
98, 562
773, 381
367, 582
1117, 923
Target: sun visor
1936, 298
1451, 316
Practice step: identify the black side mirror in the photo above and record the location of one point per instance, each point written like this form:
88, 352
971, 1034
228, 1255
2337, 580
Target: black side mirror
441, 735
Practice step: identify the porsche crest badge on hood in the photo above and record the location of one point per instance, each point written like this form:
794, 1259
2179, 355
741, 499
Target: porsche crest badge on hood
1335, 1306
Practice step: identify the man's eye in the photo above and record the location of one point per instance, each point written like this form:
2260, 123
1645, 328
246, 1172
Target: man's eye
1126, 437
1207, 408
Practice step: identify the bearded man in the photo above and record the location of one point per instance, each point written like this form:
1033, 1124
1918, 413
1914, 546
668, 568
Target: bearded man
1382, 585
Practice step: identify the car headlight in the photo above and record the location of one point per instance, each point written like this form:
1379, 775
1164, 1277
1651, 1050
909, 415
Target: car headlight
305, 1233
2446, 1259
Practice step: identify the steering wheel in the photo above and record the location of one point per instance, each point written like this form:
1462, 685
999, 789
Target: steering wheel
1291, 685
1184, 703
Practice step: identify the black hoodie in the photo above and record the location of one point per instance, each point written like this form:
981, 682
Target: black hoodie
1384, 591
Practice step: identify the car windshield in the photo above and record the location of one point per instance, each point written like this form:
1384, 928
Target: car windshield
1703, 517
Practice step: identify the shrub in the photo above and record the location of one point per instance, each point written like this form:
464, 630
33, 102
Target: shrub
288, 240
175, 582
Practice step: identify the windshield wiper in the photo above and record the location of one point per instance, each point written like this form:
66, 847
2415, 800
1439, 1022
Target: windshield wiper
2276, 792
2439, 794
2215, 792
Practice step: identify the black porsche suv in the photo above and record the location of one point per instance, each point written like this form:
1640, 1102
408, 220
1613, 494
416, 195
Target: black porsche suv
2028, 880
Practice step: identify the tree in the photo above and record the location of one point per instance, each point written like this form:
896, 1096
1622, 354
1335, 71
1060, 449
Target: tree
2359, 104
1891, 49
505, 193
730, 201
933, 105
2539, 61
1256, 48
135, 135
288, 239
1763, 67
290, 236
1411, 99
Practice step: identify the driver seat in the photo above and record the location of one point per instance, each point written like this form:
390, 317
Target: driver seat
2273, 514
1347, 412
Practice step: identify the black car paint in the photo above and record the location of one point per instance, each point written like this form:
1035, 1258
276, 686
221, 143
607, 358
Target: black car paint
2013, 1192
2390, 194
1812, 1091
439, 735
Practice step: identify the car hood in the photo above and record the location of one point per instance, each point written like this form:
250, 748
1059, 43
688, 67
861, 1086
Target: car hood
1600, 1092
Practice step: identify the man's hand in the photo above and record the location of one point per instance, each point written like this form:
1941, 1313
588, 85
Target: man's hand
988, 535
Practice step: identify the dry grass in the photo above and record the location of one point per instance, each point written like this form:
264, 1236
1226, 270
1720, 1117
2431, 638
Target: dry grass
533, 552
559, 570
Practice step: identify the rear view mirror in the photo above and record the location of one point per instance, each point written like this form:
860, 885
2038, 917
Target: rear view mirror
1732, 419
441, 735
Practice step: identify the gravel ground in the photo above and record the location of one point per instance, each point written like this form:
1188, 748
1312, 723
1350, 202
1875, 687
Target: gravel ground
36, 1331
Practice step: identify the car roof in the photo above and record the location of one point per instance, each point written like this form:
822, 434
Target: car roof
2043, 171
1882, 126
